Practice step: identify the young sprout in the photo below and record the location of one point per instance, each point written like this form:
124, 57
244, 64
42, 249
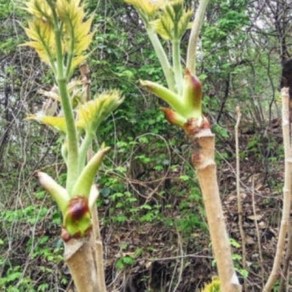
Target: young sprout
60, 33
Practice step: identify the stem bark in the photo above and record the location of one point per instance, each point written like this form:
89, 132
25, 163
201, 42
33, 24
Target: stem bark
80, 256
203, 144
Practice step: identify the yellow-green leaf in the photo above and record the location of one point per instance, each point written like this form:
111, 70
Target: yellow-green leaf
147, 7
91, 113
58, 123
173, 21
214, 286
164, 27
74, 34
76, 29
41, 35
38, 8
183, 24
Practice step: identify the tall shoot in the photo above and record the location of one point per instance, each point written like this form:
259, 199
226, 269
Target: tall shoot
169, 20
60, 33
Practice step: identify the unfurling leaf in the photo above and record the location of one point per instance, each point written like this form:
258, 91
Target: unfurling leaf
63, 21
72, 15
93, 112
42, 39
164, 93
183, 108
40, 9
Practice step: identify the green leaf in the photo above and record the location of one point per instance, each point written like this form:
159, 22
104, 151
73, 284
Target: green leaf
173, 22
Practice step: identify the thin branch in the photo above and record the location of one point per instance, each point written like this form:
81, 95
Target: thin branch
258, 233
239, 201
181, 268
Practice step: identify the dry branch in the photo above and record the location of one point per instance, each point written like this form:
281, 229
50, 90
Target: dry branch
257, 232
239, 201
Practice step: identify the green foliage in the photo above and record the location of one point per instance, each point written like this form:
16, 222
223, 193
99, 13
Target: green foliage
127, 259
124, 262
33, 243
237, 259
214, 286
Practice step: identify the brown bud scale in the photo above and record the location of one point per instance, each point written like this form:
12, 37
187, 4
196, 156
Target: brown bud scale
77, 208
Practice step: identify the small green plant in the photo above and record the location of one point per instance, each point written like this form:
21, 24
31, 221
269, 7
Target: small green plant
214, 286
127, 259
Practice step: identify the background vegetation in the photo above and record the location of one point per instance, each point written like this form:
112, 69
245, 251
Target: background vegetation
154, 232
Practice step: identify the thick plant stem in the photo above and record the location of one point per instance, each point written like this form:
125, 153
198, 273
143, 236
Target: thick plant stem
62, 80
287, 192
162, 57
72, 160
203, 143
80, 256
193, 40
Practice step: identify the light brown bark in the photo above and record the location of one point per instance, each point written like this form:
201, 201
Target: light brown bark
80, 256
287, 192
203, 159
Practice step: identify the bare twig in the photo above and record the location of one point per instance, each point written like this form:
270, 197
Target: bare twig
239, 201
258, 233
181, 267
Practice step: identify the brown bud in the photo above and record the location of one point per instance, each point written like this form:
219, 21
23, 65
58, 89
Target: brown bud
77, 207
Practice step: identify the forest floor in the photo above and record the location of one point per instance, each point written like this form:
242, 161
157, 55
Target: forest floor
153, 256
